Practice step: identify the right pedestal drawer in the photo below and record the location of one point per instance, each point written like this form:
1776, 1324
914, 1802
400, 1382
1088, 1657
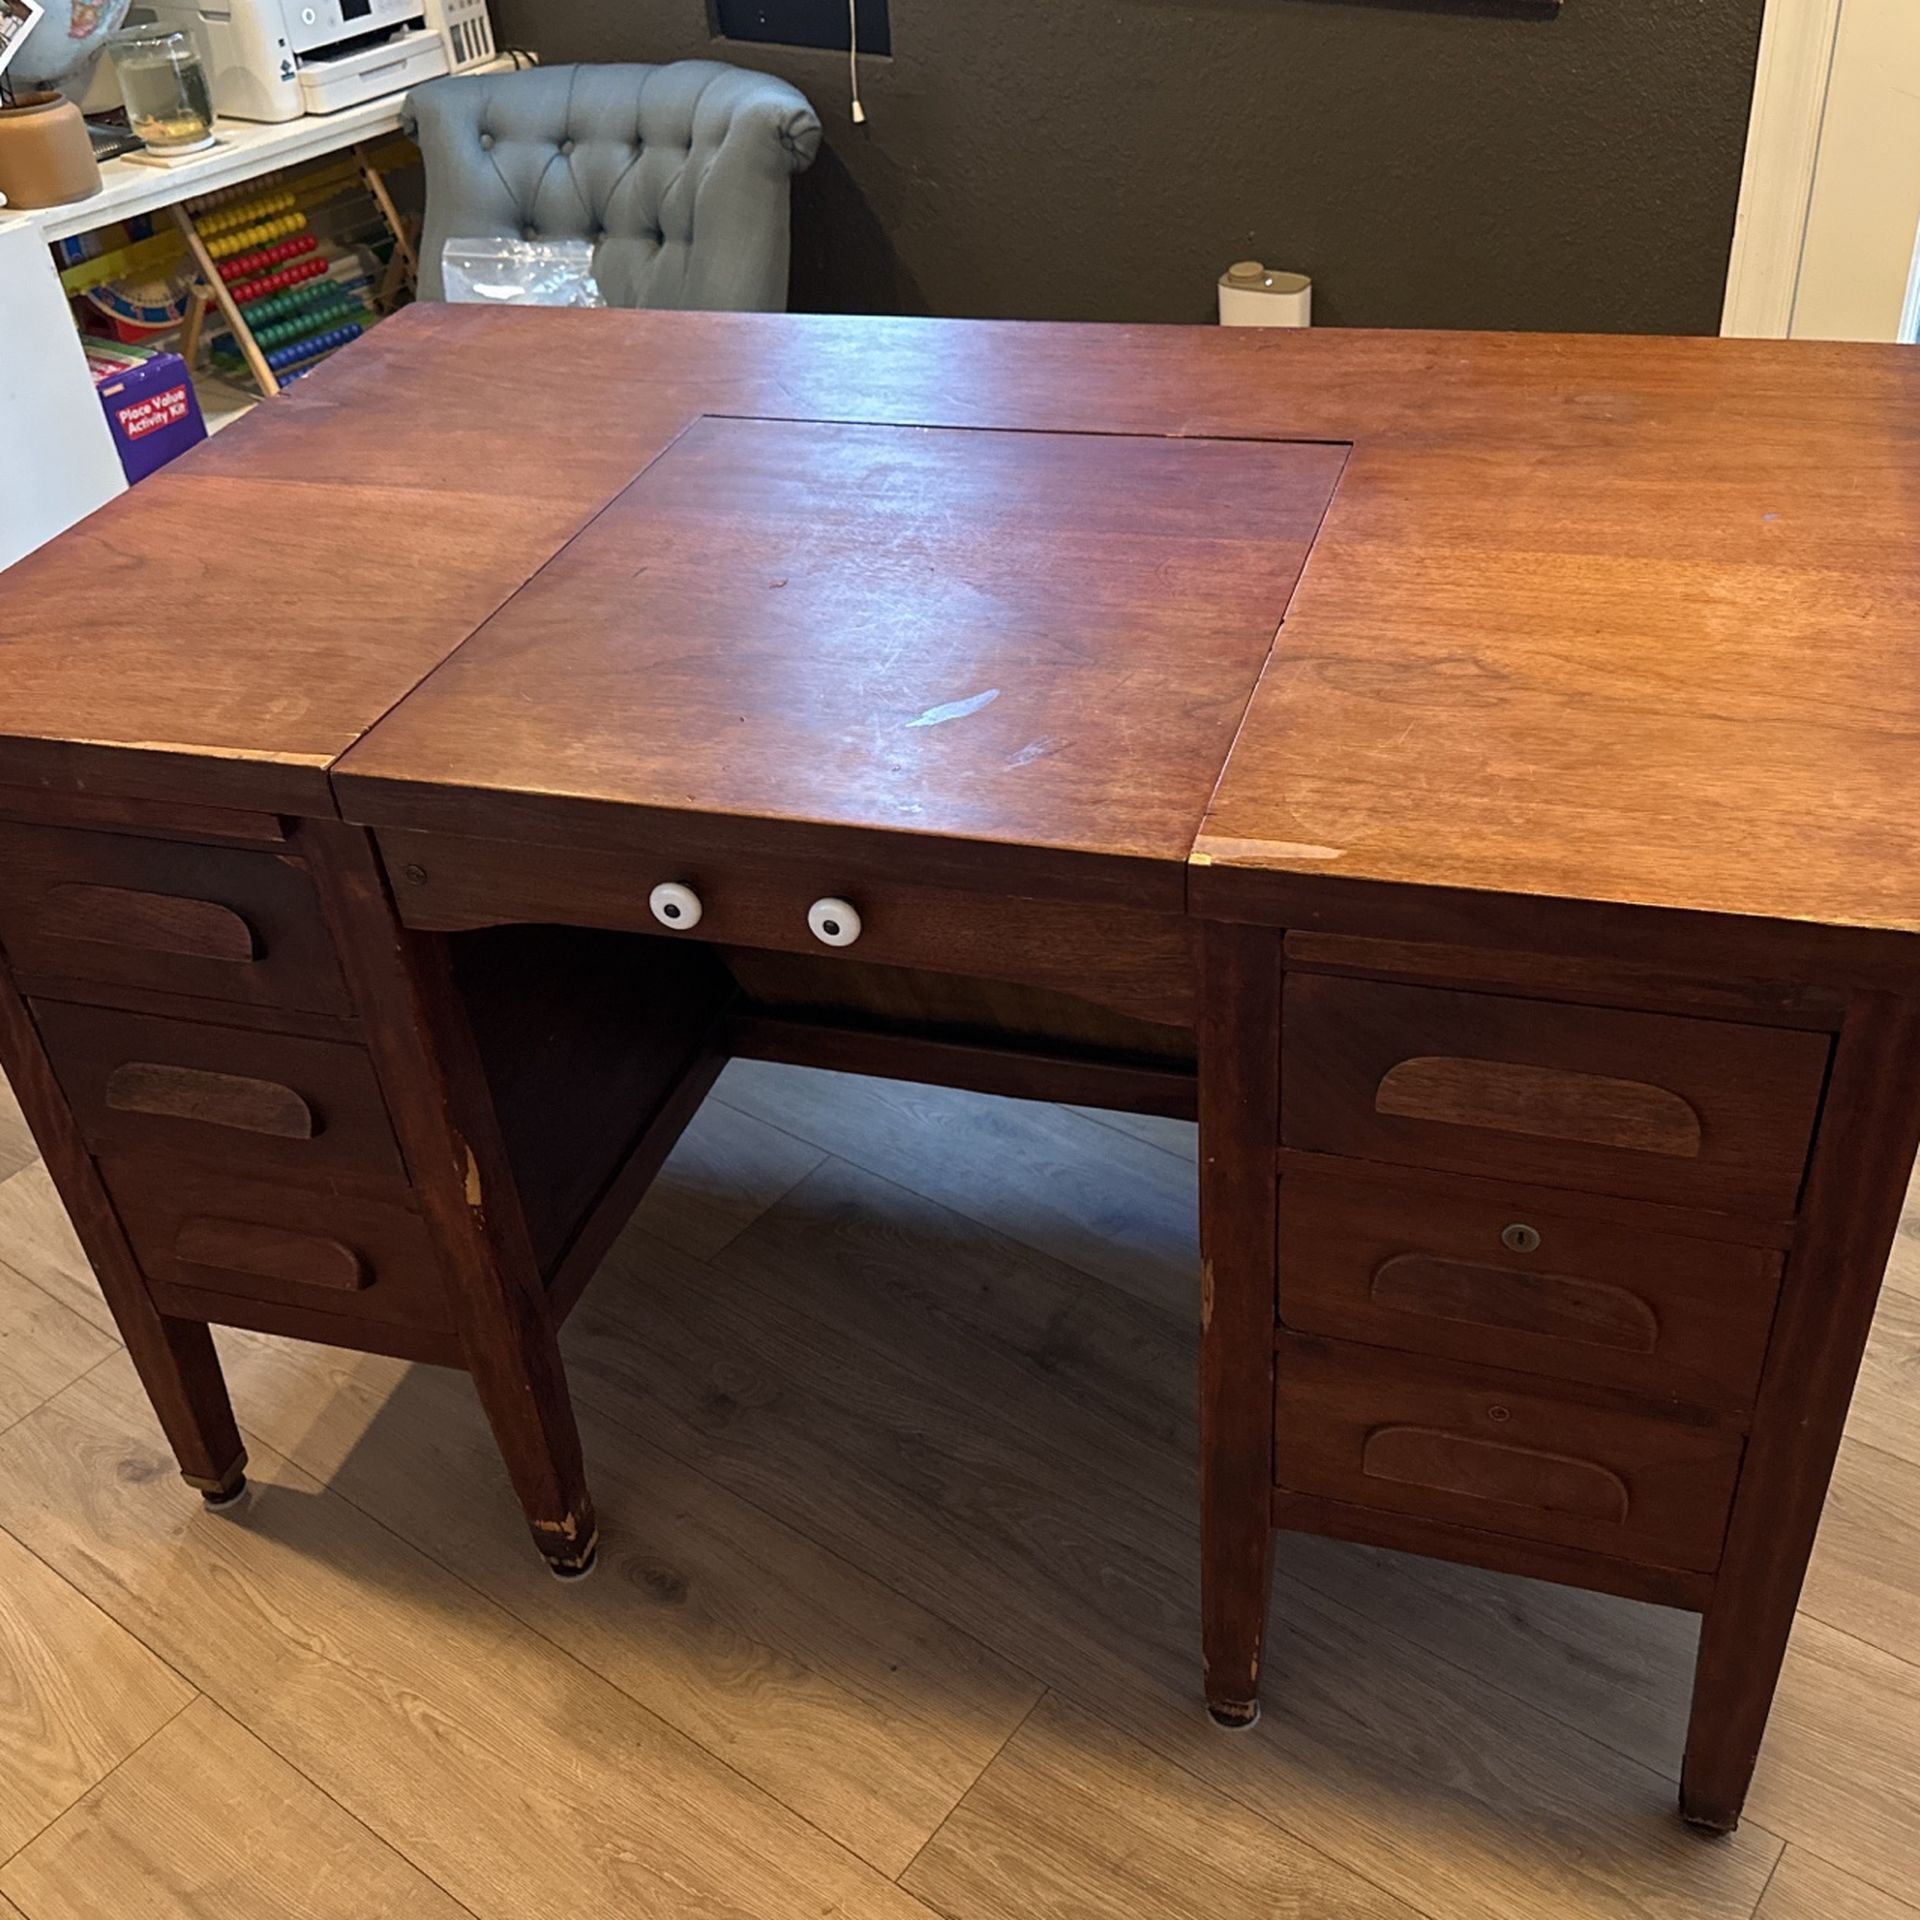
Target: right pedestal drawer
1503, 1453
1465, 1272
1701, 1113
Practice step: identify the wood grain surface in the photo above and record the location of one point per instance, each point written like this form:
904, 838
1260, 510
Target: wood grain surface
1617, 620
265, 677
206, 1820
1037, 640
82, 1693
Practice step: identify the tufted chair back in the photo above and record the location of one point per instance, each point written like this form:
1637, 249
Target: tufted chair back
677, 173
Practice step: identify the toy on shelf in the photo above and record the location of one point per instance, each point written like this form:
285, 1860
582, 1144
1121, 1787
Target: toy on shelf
242, 266
253, 250
150, 405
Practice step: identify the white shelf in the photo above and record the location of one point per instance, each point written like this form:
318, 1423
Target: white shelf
248, 149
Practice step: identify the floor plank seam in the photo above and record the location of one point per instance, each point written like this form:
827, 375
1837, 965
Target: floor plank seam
9, 1271
1145, 1140
47, 1826
1013, 1733
78, 1379
1772, 1874
747, 1226
1852, 1872
1858, 1639
378, 1838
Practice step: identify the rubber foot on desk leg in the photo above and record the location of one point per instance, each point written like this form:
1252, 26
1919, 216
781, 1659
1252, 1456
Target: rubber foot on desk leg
1236, 1716
576, 1569
218, 1499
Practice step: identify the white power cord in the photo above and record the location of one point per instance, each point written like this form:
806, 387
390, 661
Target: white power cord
853, 60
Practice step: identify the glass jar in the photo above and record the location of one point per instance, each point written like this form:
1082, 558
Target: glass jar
169, 104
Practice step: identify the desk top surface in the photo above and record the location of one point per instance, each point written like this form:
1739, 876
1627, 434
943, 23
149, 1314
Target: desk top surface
1602, 619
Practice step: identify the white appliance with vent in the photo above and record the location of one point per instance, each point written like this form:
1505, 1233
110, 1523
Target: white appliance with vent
277, 59
467, 30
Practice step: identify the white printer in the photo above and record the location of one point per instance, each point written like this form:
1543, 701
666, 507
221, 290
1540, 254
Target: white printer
278, 59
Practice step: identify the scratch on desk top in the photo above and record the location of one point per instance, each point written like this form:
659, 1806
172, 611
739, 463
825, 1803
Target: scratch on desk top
956, 709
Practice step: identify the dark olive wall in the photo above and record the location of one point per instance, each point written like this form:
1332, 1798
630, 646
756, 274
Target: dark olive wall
1429, 162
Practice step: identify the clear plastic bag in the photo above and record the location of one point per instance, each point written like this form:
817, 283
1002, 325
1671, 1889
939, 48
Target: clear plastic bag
521, 273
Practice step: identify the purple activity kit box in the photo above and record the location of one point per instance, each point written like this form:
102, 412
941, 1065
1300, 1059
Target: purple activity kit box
151, 408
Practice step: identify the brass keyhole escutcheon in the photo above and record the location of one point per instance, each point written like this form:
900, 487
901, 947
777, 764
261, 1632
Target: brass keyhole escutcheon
1519, 1238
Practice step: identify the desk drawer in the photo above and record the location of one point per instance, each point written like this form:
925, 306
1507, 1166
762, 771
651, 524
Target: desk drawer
221, 923
1703, 1113
1504, 1283
1491, 1450
202, 1232
1136, 960
140, 1084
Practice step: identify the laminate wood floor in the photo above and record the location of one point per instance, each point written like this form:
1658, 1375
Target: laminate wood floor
887, 1397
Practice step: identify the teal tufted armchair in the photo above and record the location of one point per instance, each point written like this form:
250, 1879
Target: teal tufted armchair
678, 174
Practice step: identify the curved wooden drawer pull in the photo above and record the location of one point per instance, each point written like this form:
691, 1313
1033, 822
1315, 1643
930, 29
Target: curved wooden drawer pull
1561, 1305
1513, 1476
214, 1099
1551, 1103
157, 922
244, 1249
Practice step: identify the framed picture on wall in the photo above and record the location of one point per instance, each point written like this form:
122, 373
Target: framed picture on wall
804, 23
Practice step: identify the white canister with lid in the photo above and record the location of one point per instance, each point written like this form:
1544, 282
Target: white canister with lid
1252, 295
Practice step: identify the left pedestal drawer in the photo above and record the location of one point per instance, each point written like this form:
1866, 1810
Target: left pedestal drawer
138, 1083
204, 1238
219, 923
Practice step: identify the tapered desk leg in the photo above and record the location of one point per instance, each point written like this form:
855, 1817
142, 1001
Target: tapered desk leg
174, 1358
1239, 1135
515, 1362
1869, 1129
442, 1110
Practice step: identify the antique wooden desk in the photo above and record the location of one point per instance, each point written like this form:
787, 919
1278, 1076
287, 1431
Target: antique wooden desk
412, 798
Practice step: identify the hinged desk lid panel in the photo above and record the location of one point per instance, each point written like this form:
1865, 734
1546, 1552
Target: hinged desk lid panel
221, 641
1022, 640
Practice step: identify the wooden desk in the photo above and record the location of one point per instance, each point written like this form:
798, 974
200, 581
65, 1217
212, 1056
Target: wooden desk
1530, 919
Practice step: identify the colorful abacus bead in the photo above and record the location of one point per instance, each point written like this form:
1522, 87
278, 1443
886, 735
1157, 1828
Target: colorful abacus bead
308, 349
257, 235
310, 268
302, 303
245, 212
330, 314
245, 264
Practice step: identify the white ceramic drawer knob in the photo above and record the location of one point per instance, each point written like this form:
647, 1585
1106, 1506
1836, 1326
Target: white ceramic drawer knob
834, 922
675, 906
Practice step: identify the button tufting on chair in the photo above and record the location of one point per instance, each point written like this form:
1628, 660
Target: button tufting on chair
719, 139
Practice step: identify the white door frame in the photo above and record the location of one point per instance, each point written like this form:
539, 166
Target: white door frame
1797, 39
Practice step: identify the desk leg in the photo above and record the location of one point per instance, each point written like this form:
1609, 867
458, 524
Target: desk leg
1239, 1135
442, 1111
175, 1359
1869, 1130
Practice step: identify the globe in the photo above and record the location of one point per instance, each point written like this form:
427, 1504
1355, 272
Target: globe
61, 50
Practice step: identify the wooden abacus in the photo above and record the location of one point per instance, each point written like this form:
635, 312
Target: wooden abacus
255, 251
